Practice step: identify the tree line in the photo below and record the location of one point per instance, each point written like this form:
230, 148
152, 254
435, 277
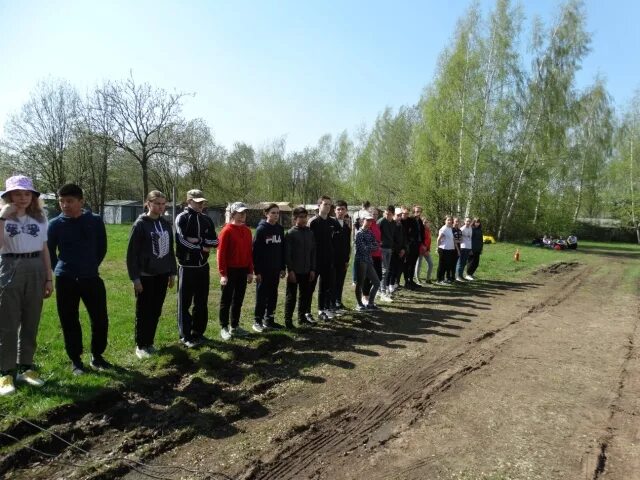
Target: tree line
500, 132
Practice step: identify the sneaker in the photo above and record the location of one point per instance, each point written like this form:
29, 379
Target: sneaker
258, 327
417, 283
6, 385
30, 377
99, 363
142, 353
360, 308
441, 282
309, 318
225, 333
77, 368
365, 300
191, 343
385, 297
269, 322
322, 315
459, 279
330, 313
469, 277
373, 306
238, 332
304, 322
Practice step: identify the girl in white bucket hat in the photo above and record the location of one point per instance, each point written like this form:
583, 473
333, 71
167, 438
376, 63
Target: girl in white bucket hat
25, 280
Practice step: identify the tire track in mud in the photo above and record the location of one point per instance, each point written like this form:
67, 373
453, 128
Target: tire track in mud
399, 402
615, 422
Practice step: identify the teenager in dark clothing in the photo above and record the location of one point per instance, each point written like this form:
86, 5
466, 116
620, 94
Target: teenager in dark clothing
398, 252
77, 247
235, 264
387, 228
195, 237
300, 258
323, 227
477, 244
269, 267
414, 231
341, 251
151, 263
457, 238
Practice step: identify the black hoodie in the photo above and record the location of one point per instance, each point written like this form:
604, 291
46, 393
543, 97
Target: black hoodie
268, 248
150, 250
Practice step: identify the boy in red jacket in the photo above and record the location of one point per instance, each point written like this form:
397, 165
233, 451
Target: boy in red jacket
235, 264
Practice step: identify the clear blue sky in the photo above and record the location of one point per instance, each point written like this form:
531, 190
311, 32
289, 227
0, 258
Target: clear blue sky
264, 69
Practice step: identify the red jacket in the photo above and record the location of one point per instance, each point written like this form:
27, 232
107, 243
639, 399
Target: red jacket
427, 239
375, 229
234, 248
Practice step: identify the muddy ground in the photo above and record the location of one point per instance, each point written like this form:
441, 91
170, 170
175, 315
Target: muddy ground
535, 379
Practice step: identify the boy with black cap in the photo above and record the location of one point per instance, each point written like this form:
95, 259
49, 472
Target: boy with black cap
195, 237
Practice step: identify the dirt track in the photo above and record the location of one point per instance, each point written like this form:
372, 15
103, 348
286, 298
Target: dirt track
538, 379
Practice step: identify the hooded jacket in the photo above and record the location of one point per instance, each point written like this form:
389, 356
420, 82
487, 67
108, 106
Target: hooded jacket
341, 243
268, 248
77, 246
150, 250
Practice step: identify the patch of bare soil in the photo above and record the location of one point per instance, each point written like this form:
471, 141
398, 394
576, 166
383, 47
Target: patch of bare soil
528, 380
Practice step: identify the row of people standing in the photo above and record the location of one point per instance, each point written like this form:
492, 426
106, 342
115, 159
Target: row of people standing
459, 247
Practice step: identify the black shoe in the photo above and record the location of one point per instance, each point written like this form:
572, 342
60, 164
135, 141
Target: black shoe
77, 367
289, 324
99, 363
309, 319
270, 323
304, 322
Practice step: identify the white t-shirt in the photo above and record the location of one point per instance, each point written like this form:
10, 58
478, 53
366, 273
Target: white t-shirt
446, 242
465, 241
25, 235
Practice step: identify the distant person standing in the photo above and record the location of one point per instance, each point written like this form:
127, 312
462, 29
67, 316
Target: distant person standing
387, 226
477, 243
25, 280
323, 227
365, 245
300, 257
77, 246
235, 265
425, 252
446, 250
341, 251
195, 237
151, 263
269, 267
465, 250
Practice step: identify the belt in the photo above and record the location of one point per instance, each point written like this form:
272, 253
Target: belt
21, 255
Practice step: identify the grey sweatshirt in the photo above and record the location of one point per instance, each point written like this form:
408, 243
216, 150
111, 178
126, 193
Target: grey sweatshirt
300, 250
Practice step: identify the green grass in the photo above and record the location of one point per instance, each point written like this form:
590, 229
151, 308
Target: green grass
61, 387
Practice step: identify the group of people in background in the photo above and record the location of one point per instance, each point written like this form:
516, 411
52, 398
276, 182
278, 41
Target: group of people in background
314, 254
556, 243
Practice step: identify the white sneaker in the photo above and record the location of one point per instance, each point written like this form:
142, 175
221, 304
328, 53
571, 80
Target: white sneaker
6, 385
142, 353
459, 279
330, 314
386, 298
30, 377
365, 300
225, 333
469, 277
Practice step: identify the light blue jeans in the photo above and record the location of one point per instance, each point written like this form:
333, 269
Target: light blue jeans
462, 261
429, 260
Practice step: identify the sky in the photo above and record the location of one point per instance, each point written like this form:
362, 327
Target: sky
262, 70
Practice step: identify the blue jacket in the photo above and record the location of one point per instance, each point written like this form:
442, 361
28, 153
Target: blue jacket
268, 248
77, 245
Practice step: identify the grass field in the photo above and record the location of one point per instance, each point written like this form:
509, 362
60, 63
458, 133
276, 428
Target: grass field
62, 387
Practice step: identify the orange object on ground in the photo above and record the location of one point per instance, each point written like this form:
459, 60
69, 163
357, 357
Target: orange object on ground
516, 256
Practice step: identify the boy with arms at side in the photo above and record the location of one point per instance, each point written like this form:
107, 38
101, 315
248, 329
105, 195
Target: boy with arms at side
341, 251
77, 247
300, 258
235, 264
269, 266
